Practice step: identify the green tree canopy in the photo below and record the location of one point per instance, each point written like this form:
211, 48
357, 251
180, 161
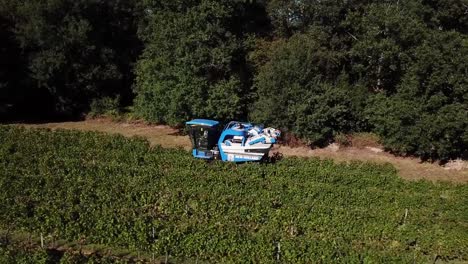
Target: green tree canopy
194, 61
75, 50
301, 89
428, 114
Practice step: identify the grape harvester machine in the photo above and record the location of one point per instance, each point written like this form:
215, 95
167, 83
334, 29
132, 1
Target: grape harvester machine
237, 142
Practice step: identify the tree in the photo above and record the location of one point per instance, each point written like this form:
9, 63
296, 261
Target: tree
194, 64
76, 51
13, 67
427, 115
447, 15
301, 89
385, 35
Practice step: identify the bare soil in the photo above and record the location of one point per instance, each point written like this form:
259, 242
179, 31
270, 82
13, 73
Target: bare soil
408, 168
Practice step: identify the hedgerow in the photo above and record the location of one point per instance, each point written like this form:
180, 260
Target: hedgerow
116, 191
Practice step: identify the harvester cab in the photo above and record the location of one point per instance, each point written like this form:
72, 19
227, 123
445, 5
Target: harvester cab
204, 135
237, 142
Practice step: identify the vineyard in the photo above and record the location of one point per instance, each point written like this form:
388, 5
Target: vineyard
120, 192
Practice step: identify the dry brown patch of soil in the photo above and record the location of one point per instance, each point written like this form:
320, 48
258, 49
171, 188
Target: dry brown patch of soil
408, 168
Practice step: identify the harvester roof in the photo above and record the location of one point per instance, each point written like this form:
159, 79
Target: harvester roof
203, 122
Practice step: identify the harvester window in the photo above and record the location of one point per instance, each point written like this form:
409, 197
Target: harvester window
203, 138
228, 140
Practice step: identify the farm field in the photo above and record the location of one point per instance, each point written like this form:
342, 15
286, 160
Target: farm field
117, 192
371, 98
407, 167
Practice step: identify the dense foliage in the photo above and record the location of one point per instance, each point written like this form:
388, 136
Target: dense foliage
194, 60
43, 256
313, 68
66, 54
395, 68
115, 191
300, 88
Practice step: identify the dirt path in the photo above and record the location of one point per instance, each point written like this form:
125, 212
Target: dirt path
408, 168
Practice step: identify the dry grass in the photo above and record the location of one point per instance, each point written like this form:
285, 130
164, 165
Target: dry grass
364, 140
408, 168
363, 148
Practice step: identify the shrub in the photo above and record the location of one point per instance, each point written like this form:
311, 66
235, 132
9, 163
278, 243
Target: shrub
193, 64
364, 139
427, 116
343, 140
301, 90
105, 106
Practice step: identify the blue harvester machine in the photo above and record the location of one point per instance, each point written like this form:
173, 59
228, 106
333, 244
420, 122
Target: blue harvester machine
237, 142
